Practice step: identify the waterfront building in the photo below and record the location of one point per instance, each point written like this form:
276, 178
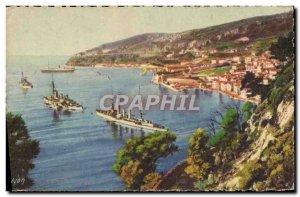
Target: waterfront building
248, 60
229, 87
266, 81
236, 59
214, 61
237, 87
216, 85
223, 86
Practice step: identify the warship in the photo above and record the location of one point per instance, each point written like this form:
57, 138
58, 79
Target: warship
24, 83
61, 102
126, 119
58, 69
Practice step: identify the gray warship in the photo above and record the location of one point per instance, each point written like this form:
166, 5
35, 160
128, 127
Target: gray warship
24, 83
126, 119
61, 102
65, 69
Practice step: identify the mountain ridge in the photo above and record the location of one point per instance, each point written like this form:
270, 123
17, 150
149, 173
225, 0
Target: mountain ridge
147, 47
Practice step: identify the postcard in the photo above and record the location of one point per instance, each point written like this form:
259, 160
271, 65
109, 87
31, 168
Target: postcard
150, 99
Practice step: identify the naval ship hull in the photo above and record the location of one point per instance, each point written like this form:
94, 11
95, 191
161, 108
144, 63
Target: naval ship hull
128, 123
66, 70
58, 107
26, 86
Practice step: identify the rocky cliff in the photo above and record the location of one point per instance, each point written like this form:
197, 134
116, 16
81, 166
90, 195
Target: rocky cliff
268, 161
271, 153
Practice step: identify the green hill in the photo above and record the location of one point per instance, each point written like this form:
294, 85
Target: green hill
155, 47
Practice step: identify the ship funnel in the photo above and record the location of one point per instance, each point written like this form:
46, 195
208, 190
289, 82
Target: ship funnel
118, 109
53, 86
129, 114
123, 112
112, 106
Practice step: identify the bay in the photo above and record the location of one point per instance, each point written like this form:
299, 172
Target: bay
77, 150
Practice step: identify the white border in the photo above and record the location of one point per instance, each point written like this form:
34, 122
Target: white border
4, 3
151, 2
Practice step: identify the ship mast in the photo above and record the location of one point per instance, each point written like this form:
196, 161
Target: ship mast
113, 101
53, 86
141, 114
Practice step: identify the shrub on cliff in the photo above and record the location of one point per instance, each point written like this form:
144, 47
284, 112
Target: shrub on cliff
281, 85
283, 48
250, 172
150, 180
274, 170
139, 155
200, 159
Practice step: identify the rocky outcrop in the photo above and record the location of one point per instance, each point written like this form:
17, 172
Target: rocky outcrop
264, 127
285, 113
269, 151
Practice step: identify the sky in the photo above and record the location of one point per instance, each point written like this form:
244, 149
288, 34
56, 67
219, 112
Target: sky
46, 31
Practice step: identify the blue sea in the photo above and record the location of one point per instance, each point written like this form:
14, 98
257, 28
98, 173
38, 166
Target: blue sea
78, 149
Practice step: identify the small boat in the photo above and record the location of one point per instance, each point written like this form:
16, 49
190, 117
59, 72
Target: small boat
59, 69
24, 83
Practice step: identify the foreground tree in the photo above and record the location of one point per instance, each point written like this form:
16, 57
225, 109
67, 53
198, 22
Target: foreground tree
200, 158
229, 117
250, 81
21, 151
138, 158
227, 137
247, 109
283, 48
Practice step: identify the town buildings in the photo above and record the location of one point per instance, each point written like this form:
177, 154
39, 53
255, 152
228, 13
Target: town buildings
186, 74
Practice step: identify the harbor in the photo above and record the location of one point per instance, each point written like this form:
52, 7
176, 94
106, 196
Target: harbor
70, 142
150, 99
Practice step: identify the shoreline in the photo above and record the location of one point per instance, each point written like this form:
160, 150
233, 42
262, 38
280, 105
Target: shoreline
111, 66
169, 87
231, 95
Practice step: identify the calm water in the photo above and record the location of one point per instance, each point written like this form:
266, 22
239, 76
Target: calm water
77, 150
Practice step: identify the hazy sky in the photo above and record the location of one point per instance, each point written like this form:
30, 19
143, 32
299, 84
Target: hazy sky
66, 31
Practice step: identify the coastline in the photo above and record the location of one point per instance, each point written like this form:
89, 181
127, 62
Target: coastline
110, 66
231, 95
169, 87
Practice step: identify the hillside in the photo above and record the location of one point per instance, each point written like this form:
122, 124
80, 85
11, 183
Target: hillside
267, 162
162, 47
271, 128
